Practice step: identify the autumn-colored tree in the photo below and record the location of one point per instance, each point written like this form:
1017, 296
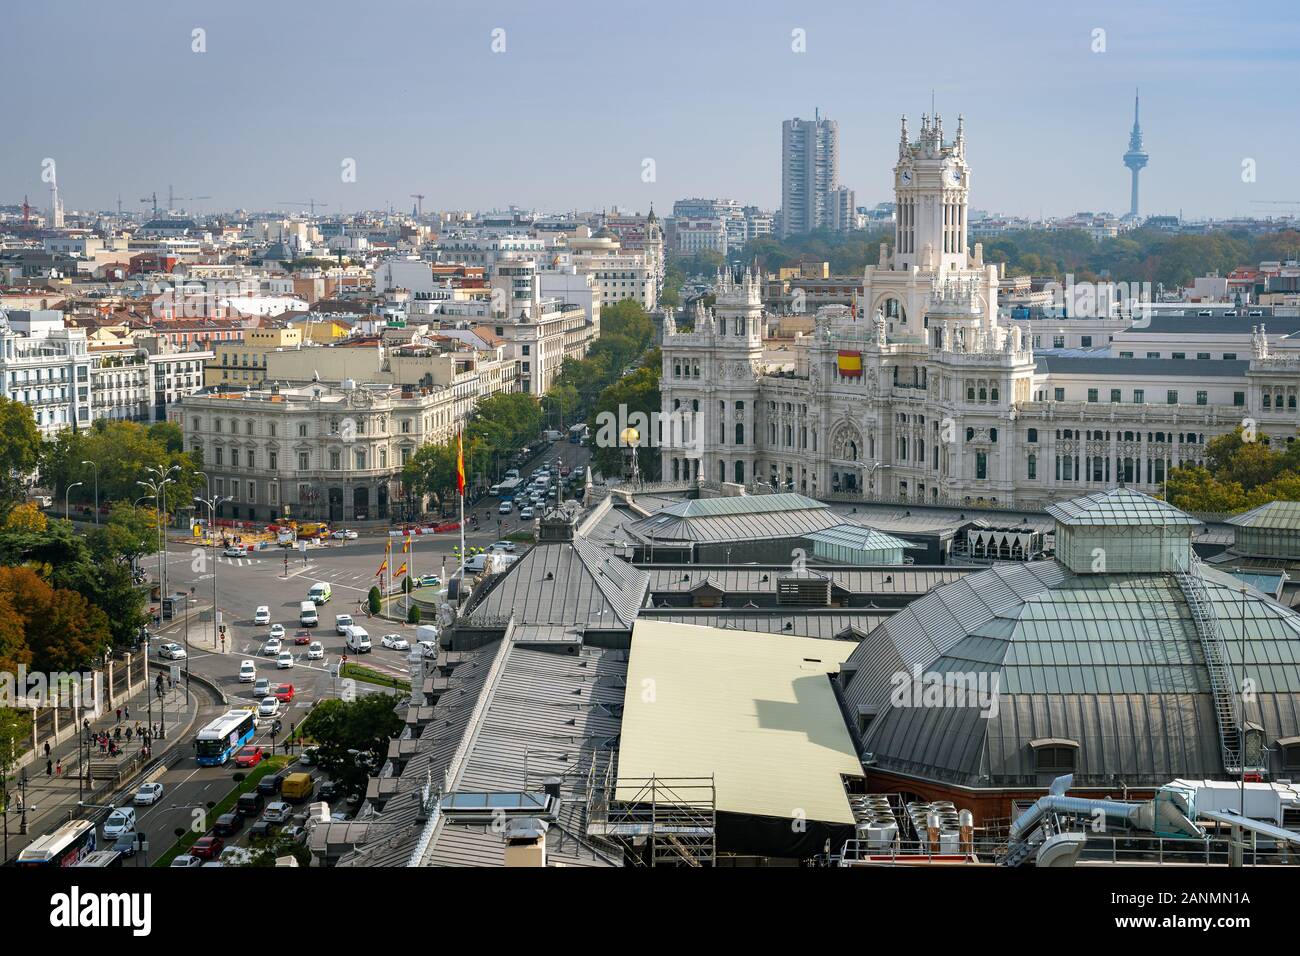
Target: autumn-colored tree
63, 630
13, 637
26, 517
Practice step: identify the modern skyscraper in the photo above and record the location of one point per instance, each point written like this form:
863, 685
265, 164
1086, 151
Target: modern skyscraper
1135, 159
810, 171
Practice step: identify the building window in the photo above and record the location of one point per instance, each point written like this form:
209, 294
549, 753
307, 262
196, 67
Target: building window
302, 431
981, 465
302, 461
1092, 394
1114, 395
272, 459
1032, 437
1056, 759
1032, 467
1171, 397
1202, 398
1179, 355
1139, 396
335, 461
1239, 399
1059, 394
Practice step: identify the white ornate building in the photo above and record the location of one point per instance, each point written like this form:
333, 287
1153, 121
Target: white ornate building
921, 393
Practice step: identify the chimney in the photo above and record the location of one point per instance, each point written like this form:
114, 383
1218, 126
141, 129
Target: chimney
525, 840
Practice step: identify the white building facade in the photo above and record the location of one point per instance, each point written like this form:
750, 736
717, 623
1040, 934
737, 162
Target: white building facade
923, 394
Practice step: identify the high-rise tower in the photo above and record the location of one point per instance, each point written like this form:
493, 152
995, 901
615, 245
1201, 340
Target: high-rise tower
1135, 159
810, 172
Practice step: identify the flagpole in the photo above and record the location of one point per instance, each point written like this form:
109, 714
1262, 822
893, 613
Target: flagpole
460, 446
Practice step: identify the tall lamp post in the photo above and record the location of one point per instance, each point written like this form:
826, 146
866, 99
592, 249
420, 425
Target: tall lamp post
213, 504
67, 512
95, 465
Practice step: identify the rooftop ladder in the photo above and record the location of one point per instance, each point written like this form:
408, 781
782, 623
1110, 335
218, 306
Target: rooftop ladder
1223, 685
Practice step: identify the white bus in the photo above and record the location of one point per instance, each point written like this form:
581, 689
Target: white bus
217, 742
66, 846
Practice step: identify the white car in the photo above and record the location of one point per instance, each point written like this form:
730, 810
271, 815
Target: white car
186, 861
345, 534
147, 794
173, 652
271, 647
234, 552
284, 660
505, 508
506, 546
262, 615
269, 707
316, 651
247, 672
342, 622
277, 631
526, 513
394, 642
430, 648
121, 820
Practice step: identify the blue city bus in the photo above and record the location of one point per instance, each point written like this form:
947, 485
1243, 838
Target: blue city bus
217, 742
66, 846
577, 433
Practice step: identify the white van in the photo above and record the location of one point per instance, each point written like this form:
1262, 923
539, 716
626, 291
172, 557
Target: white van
307, 616
320, 592
247, 672
358, 640
121, 820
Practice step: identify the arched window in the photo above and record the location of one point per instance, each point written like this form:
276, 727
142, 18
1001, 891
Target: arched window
740, 433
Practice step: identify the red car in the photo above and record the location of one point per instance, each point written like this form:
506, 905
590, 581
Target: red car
447, 526
207, 847
248, 757
302, 637
283, 693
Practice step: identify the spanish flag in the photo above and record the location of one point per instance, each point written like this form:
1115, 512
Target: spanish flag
406, 546
850, 364
460, 465
401, 570
382, 568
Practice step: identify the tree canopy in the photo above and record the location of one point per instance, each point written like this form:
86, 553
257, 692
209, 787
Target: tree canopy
1238, 474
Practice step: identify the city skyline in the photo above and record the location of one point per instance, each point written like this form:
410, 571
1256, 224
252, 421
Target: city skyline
251, 130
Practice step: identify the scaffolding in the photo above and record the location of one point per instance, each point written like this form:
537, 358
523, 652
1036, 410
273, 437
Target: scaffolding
657, 821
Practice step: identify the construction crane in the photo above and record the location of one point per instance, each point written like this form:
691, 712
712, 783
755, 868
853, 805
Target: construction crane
153, 198
419, 204
311, 204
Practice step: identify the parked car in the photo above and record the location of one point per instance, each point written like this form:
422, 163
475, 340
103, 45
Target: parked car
247, 672
262, 615
277, 631
285, 660
269, 707
173, 652
185, 860
249, 756
147, 794
207, 847
277, 812
283, 693
394, 642
316, 651
328, 791
260, 831
296, 833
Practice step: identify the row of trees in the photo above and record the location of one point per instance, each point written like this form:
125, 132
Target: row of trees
121, 451
1238, 474
1143, 255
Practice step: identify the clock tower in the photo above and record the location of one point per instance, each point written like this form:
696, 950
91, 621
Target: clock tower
931, 186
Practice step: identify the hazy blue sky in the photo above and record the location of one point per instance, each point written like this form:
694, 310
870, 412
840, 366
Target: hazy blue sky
585, 91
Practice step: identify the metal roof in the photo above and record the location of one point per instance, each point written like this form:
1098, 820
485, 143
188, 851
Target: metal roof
1100, 365
742, 518
566, 583
860, 537
1117, 507
757, 712
828, 624
1280, 515
1113, 661
890, 579
1216, 324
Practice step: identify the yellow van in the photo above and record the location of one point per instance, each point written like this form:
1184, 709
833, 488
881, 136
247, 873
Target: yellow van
297, 786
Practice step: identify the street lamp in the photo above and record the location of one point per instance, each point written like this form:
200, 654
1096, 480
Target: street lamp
67, 515
213, 504
95, 465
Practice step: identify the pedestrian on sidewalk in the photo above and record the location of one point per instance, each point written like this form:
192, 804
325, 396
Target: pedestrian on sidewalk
58, 769
47, 750
127, 711
49, 767
128, 735
117, 732
119, 715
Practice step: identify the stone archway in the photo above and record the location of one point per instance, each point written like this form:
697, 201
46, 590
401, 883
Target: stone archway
361, 503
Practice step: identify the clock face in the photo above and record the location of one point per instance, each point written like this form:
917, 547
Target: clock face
906, 177
955, 176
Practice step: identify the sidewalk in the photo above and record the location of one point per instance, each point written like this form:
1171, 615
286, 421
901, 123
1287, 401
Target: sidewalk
53, 799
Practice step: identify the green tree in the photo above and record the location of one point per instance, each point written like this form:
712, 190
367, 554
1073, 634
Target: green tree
20, 450
375, 600
413, 614
619, 403
364, 725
